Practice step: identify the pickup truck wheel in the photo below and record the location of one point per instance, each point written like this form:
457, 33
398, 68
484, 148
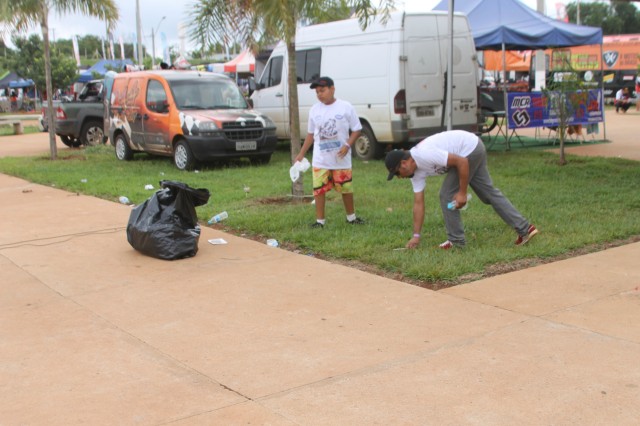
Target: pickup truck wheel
123, 151
70, 141
366, 147
183, 157
92, 133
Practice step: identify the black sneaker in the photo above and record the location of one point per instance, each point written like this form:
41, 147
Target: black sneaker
356, 221
317, 225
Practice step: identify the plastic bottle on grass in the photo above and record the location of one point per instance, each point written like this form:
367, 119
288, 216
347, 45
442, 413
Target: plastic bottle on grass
452, 204
218, 218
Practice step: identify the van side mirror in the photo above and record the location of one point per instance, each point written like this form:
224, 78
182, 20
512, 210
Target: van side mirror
163, 107
253, 84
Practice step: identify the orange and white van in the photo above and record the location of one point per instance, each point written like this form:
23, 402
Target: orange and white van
190, 115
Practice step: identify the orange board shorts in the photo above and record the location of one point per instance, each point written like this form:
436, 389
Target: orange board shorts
324, 180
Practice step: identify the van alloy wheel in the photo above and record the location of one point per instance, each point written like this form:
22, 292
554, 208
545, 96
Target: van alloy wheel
182, 156
366, 147
123, 151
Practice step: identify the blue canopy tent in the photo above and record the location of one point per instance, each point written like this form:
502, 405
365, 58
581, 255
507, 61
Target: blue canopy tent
21, 83
512, 25
101, 67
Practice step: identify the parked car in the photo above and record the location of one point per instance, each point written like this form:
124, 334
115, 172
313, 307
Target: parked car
190, 115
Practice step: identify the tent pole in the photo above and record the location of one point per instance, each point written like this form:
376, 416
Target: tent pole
504, 85
604, 122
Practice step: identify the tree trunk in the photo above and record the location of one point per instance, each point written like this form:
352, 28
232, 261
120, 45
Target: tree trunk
563, 127
44, 24
105, 115
297, 187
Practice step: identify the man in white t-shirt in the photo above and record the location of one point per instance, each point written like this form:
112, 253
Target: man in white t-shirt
462, 156
330, 121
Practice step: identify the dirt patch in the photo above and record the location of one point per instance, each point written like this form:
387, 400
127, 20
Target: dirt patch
79, 156
282, 200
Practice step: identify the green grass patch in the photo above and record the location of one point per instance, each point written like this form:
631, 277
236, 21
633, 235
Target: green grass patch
7, 129
587, 203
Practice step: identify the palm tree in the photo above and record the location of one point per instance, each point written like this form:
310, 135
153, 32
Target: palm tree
19, 15
254, 20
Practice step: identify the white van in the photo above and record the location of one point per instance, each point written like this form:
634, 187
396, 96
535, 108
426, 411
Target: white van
393, 74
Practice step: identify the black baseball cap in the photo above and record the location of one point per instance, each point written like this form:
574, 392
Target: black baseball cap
322, 82
392, 161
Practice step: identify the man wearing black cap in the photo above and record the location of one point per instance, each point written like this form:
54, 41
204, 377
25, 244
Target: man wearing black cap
330, 121
462, 156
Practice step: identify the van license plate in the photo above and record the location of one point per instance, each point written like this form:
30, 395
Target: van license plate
425, 111
246, 146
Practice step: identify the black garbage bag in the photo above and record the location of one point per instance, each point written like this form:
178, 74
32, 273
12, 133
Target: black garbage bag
166, 225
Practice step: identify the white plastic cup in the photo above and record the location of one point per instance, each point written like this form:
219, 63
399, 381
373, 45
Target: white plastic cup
123, 200
304, 165
272, 243
218, 218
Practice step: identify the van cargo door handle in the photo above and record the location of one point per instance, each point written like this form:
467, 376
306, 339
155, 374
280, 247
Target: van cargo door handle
279, 95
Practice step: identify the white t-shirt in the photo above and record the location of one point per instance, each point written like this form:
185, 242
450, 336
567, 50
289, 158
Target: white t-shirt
330, 126
432, 153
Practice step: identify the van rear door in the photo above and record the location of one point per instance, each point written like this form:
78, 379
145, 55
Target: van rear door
271, 98
426, 48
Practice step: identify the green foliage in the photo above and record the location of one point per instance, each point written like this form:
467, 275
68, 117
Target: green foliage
566, 92
28, 62
7, 129
588, 202
616, 17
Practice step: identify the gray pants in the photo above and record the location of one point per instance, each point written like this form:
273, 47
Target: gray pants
481, 183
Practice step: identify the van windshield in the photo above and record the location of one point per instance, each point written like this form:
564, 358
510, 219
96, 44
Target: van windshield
204, 93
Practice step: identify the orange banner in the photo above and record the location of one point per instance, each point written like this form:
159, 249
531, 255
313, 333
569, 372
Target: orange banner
516, 61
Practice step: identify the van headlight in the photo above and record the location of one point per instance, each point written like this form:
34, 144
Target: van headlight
267, 122
207, 126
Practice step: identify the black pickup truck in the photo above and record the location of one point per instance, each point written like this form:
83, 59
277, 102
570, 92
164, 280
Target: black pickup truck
81, 121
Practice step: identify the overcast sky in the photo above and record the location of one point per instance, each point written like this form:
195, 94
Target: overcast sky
176, 13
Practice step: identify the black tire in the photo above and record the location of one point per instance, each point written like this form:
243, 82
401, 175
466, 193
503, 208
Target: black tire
366, 147
70, 141
123, 150
260, 159
183, 157
92, 133
488, 120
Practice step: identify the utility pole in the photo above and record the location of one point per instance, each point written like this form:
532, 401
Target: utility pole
153, 43
541, 64
578, 13
139, 32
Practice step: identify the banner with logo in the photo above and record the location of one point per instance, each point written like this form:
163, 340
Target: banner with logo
538, 109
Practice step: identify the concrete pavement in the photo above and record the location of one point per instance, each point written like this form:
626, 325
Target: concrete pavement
92, 332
